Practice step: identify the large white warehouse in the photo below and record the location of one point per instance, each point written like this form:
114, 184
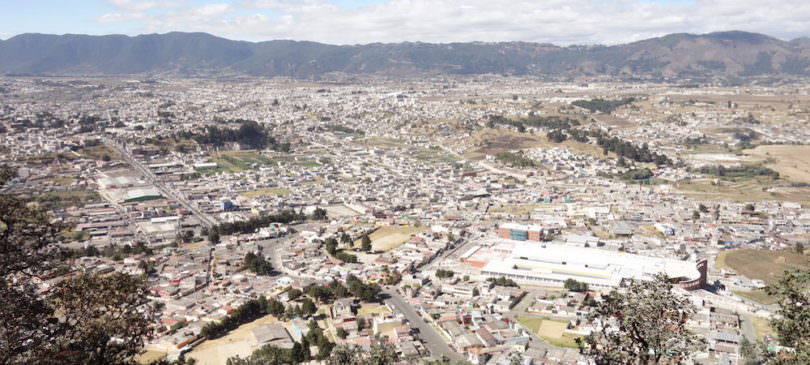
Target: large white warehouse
552, 264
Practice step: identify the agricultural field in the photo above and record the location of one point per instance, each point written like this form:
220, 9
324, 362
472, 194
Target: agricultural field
762, 265
789, 161
390, 237
746, 190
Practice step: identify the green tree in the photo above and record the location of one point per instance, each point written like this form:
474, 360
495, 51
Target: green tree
366, 243
308, 308
85, 319
646, 324
792, 320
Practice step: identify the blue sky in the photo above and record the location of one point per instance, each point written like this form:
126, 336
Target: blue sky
364, 21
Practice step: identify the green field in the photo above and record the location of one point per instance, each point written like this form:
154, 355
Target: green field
763, 265
759, 296
552, 331
237, 161
64, 199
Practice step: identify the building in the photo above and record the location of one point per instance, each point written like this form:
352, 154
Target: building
552, 264
519, 232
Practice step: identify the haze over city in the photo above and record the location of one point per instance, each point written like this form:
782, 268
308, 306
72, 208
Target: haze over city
404, 182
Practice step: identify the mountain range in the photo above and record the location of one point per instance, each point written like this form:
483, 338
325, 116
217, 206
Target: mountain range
722, 54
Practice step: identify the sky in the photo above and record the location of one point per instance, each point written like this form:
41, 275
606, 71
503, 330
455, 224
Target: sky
561, 22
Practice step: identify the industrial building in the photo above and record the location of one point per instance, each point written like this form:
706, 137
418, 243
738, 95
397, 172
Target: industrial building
142, 194
519, 232
553, 264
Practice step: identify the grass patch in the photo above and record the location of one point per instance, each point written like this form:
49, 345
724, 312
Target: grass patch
266, 192
552, 331
64, 199
390, 237
762, 326
237, 161
99, 152
759, 296
763, 265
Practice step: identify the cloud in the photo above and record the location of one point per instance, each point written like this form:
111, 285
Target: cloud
554, 21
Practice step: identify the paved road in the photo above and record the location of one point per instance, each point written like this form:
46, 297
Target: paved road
205, 219
433, 340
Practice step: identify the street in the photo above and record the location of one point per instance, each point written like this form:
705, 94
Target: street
433, 341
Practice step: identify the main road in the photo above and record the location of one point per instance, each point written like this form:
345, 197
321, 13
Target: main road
205, 219
433, 340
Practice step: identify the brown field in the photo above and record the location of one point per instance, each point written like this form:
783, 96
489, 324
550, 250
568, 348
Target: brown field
747, 190
763, 265
494, 141
789, 160
390, 237
239, 342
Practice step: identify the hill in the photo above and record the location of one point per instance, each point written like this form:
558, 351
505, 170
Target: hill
723, 54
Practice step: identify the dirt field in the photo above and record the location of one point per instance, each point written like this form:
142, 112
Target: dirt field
790, 161
239, 342
261, 192
390, 237
761, 264
372, 309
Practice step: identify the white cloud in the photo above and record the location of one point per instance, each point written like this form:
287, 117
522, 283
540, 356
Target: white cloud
555, 21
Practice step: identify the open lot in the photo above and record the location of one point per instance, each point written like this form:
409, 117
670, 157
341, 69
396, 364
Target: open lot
236, 161
759, 296
790, 161
262, 192
239, 342
390, 237
762, 265
372, 309
552, 331
745, 190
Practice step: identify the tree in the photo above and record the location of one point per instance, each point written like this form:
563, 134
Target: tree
319, 214
308, 307
380, 353
110, 317
792, 319
695, 215
575, 286
342, 333
646, 324
213, 236
75, 321
257, 264
799, 248
366, 243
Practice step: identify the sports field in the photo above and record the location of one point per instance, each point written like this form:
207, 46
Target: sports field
552, 331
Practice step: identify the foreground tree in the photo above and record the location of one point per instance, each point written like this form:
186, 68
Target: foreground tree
380, 353
86, 319
646, 324
792, 321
